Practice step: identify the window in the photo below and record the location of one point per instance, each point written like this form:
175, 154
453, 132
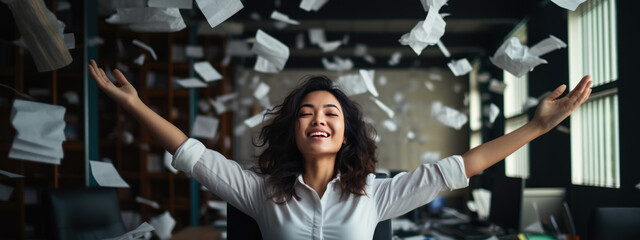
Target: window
595, 153
515, 95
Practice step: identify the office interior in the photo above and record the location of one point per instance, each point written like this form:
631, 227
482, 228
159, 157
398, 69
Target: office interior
588, 160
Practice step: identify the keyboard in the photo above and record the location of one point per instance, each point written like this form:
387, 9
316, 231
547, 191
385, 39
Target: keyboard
463, 231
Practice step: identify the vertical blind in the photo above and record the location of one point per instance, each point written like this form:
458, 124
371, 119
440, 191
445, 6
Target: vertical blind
595, 153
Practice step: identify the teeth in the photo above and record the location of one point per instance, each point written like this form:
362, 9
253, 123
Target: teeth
322, 134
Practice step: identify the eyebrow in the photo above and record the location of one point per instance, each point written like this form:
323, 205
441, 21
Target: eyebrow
325, 106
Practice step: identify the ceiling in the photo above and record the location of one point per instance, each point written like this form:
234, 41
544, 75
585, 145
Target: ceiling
475, 28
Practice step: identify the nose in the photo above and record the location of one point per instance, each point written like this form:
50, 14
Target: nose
318, 121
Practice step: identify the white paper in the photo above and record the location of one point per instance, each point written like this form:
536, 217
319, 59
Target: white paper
529, 103
368, 58
494, 110
329, 46
429, 157
139, 60
205, 127
10, 174
497, 86
218, 106
221, 206
352, 84
339, 64
218, 11
638, 186
312, 5
261, 91
5, 192
547, 45
568, 4
390, 125
367, 77
145, 201
425, 33
40, 131
515, 58
384, 107
71, 97
433, 4
395, 58
459, 67
191, 83
316, 35
482, 197
283, 18
194, 51
163, 225
137, 233
256, 120
149, 19
429, 85
145, 47
106, 175
206, 71
184, 4
443, 49
360, 50
448, 116
274, 51
264, 66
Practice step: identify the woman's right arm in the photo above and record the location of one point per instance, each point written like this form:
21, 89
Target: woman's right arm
168, 135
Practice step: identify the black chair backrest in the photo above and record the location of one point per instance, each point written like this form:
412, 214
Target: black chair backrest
614, 223
241, 226
83, 213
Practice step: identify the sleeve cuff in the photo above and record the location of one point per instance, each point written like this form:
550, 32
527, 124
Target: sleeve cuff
187, 155
453, 171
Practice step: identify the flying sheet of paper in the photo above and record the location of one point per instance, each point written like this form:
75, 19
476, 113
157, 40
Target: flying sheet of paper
312, 5
448, 116
148, 202
271, 49
148, 19
395, 58
339, 64
184, 4
547, 45
139, 60
316, 35
146, 47
137, 233
433, 4
5, 192
205, 127
10, 174
106, 175
425, 33
568, 4
515, 58
459, 67
429, 85
429, 157
261, 91
206, 71
384, 107
263, 65
283, 18
493, 112
529, 103
194, 51
370, 59
256, 120
191, 83
40, 131
367, 77
218, 11
352, 84
329, 46
390, 125
163, 225
221, 206
218, 106
443, 49
497, 86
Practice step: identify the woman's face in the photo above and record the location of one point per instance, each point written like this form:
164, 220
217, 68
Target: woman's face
320, 125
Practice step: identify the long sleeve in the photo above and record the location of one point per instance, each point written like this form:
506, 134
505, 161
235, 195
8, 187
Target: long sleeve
407, 191
241, 188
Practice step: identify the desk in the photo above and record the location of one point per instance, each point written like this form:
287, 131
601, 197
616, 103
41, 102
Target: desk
200, 232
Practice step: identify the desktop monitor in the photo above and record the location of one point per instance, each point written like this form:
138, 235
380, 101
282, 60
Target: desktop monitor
539, 204
506, 195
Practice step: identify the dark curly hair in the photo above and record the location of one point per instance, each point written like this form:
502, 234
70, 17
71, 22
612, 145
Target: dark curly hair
282, 161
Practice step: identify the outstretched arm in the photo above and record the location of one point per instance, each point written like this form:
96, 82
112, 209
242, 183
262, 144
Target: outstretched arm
548, 114
168, 135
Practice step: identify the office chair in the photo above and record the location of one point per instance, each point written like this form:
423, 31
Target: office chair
241, 226
83, 213
614, 223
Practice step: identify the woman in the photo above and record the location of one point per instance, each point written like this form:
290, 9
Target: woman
315, 178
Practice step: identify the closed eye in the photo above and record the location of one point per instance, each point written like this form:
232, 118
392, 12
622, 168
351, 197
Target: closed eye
304, 114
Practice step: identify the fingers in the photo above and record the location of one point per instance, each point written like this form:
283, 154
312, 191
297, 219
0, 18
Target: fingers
556, 93
577, 92
120, 77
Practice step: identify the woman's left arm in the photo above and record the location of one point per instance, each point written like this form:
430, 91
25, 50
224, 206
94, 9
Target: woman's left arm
548, 114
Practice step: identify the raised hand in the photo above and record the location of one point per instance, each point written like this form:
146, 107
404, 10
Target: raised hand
124, 95
552, 111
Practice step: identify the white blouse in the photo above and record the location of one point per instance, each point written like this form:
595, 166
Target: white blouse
311, 217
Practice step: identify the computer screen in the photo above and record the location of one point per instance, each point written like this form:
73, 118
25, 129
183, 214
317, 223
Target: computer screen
506, 196
538, 205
